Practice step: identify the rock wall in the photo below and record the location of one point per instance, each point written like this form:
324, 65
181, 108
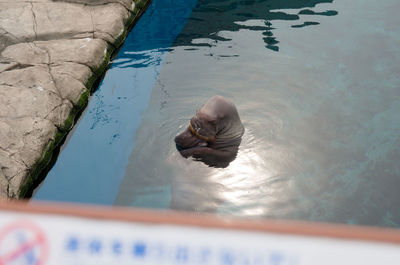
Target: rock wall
51, 52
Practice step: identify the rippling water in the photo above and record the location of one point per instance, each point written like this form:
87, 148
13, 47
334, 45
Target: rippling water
316, 84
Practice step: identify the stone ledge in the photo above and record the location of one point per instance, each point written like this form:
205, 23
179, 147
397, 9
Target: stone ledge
51, 53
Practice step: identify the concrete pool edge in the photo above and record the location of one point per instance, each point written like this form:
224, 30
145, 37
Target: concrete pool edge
28, 175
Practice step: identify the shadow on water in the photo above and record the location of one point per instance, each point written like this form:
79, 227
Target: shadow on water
210, 17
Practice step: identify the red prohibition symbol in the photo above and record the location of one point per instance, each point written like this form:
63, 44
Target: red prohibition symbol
23, 243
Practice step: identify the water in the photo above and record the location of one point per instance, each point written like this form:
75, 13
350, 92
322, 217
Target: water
316, 84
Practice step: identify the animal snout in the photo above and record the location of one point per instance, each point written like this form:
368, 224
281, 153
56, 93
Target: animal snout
187, 140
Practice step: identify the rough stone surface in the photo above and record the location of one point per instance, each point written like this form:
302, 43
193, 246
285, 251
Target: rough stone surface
49, 53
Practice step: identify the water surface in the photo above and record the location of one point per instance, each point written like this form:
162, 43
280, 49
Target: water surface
316, 84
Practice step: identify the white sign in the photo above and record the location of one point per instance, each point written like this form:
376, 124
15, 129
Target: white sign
39, 239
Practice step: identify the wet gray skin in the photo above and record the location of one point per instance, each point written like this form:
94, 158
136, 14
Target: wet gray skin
215, 134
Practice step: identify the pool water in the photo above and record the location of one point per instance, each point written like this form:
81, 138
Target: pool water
317, 87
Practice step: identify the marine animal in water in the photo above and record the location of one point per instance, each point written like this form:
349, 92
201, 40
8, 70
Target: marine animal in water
214, 134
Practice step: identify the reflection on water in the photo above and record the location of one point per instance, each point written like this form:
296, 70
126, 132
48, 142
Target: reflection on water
320, 106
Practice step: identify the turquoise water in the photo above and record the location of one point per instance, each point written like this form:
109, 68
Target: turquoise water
316, 84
